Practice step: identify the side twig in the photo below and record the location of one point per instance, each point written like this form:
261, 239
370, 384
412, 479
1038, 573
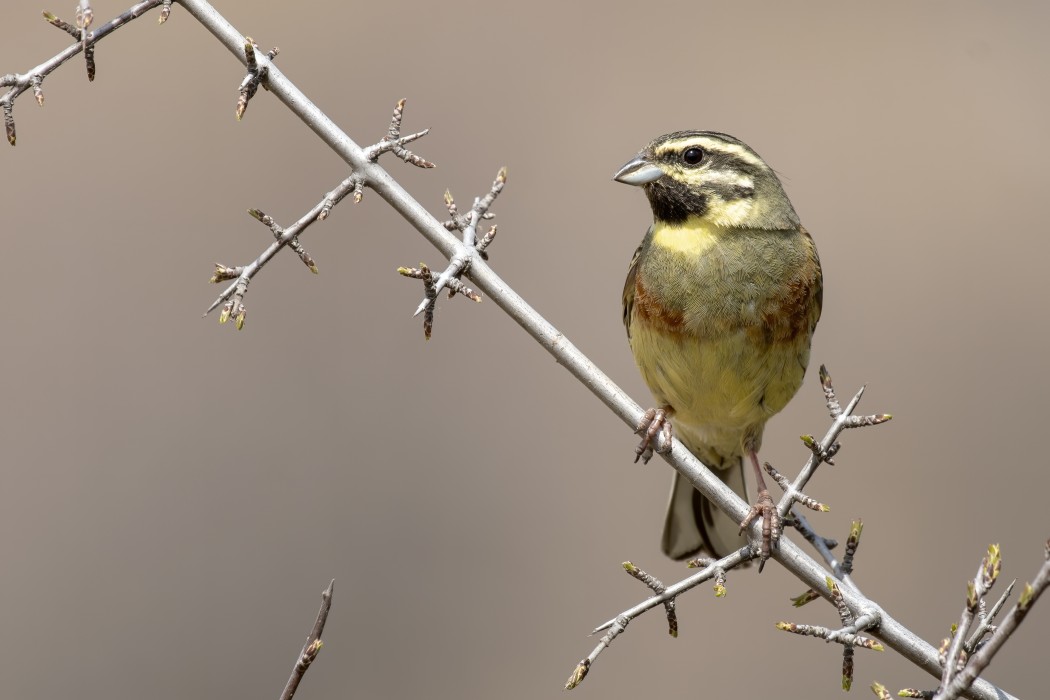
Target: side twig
232, 298
256, 75
665, 596
979, 661
85, 42
862, 617
961, 670
460, 262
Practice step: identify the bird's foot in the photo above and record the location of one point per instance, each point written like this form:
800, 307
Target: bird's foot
771, 524
656, 421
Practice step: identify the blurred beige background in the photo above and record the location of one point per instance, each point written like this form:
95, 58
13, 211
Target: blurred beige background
176, 494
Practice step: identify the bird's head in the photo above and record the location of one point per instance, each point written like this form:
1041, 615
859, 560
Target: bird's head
712, 177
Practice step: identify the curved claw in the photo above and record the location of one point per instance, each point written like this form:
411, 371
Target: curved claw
771, 524
656, 421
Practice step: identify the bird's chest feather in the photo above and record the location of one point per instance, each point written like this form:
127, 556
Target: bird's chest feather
707, 284
721, 322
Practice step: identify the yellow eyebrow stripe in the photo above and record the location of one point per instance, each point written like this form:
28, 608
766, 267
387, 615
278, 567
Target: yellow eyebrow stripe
713, 144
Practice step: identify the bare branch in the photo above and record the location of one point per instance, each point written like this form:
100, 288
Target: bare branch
394, 142
891, 632
986, 626
86, 40
796, 496
664, 595
830, 635
232, 297
312, 647
847, 636
962, 681
658, 588
826, 448
461, 260
977, 589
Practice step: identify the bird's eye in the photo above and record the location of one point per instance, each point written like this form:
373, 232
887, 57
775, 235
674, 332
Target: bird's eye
693, 156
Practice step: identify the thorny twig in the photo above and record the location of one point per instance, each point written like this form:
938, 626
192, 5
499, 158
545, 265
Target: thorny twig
963, 665
658, 588
85, 42
985, 625
664, 596
847, 636
825, 450
232, 298
394, 142
460, 262
842, 419
977, 589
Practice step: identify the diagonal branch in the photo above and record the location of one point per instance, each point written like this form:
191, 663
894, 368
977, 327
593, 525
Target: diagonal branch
367, 173
868, 617
811, 573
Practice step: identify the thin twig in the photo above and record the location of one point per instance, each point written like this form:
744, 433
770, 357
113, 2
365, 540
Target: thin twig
618, 624
847, 635
987, 618
86, 40
987, 573
827, 447
460, 262
231, 298
312, 647
657, 587
961, 683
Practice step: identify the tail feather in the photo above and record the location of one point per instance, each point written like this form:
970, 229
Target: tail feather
694, 525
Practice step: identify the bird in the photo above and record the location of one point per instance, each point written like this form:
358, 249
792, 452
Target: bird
720, 304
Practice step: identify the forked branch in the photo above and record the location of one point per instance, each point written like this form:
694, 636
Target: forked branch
232, 298
867, 615
85, 43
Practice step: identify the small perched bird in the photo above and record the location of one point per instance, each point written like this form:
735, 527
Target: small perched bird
720, 304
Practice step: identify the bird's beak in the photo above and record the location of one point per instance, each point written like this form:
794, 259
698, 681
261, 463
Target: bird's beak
638, 171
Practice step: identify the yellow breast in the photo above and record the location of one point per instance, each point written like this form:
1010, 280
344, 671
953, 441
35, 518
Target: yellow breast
721, 324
